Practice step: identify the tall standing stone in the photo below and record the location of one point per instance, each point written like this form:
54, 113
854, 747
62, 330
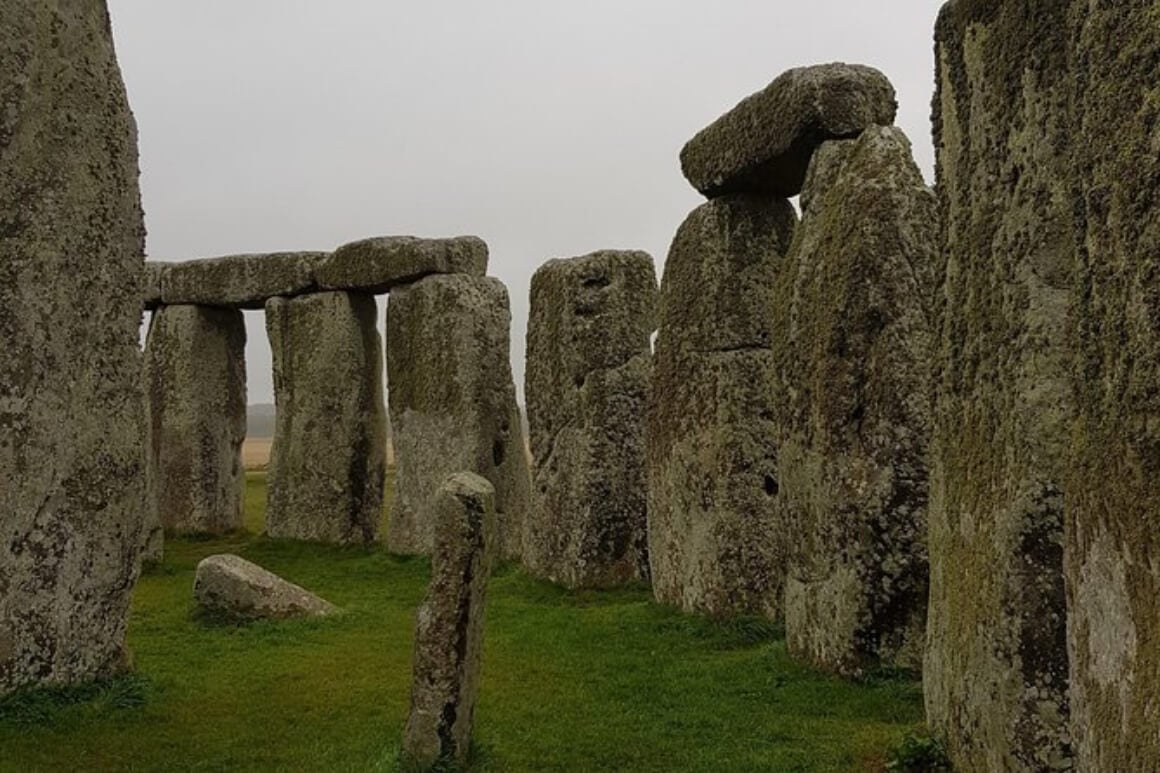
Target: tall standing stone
71, 257
195, 381
711, 435
586, 386
452, 403
328, 460
996, 669
853, 364
449, 625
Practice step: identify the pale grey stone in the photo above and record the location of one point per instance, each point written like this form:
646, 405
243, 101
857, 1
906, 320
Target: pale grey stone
382, 262
230, 587
239, 281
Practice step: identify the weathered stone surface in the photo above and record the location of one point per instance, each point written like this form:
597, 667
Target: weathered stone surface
151, 294
764, 144
240, 281
996, 670
377, 264
449, 624
230, 587
71, 421
195, 389
854, 304
711, 435
1113, 482
586, 385
325, 479
452, 403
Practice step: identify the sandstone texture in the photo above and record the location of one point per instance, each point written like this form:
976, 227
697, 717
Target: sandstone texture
328, 459
449, 624
586, 385
452, 404
380, 263
764, 144
195, 395
239, 281
711, 435
996, 668
151, 285
71, 419
854, 304
231, 588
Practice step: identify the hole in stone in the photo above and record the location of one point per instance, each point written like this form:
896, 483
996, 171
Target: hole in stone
597, 281
497, 452
771, 486
579, 380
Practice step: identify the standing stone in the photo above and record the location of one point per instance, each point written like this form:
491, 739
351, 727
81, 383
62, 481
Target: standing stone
452, 403
449, 624
1113, 484
713, 526
328, 460
71, 422
996, 670
586, 385
195, 381
853, 363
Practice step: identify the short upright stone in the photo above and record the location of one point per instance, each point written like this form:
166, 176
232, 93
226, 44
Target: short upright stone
452, 403
586, 385
853, 365
71, 247
195, 381
713, 512
328, 458
449, 624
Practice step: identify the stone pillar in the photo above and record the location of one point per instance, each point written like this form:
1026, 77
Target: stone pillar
449, 624
195, 381
452, 403
328, 459
854, 306
71, 419
586, 384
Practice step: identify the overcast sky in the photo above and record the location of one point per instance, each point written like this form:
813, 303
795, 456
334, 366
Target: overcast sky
550, 129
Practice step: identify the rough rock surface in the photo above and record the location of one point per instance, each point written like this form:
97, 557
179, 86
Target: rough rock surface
195, 395
449, 624
230, 587
71, 420
711, 434
151, 284
764, 144
586, 386
329, 453
239, 281
996, 670
854, 301
382, 262
452, 403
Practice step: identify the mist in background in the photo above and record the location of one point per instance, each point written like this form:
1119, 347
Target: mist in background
548, 129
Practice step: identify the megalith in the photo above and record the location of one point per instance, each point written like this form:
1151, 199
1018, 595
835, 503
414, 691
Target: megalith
195, 383
586, 386
996, 668
71, 419
239, 281
230, 588
449, 624
854, 305
381, 263
328, 459
452, 404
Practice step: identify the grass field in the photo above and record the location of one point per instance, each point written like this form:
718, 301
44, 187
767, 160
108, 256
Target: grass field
572, 682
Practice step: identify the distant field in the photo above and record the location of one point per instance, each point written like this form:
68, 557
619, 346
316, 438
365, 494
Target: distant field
256, 453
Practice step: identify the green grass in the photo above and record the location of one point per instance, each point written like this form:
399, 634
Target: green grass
572, 681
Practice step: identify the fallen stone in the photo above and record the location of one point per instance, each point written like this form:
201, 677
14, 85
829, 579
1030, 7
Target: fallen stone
152, 285
239, 281
71, 420
328, 459
380, 263
230, 587
586, 385
195, 382
452, 404
764, 144
449, 624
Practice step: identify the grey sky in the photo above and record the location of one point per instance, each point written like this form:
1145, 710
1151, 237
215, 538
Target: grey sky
550, 129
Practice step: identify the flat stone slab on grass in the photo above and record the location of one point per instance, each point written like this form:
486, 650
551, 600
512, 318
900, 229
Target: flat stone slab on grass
377, 264
239, 281
764, 144
231, 587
